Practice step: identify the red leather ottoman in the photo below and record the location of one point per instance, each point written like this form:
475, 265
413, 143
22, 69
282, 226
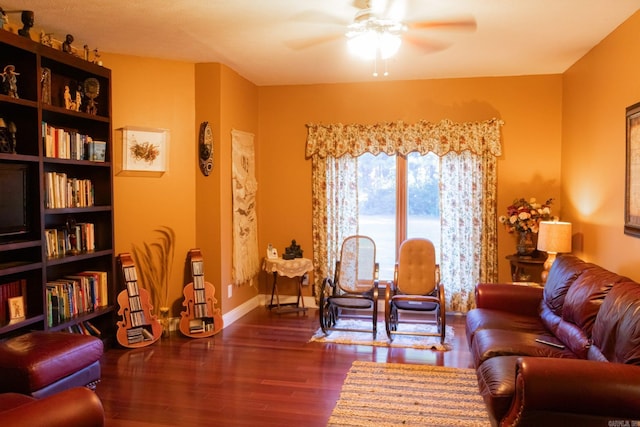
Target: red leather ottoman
40, 364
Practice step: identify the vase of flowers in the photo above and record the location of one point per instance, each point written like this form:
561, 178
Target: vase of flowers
523, 218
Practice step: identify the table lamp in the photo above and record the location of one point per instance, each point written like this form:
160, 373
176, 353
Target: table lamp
553, 237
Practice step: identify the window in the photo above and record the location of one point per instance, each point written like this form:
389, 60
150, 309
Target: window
398, 199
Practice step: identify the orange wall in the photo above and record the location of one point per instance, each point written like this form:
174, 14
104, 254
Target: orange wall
597, 89
227, 101
158, 94
572, 123
529, 167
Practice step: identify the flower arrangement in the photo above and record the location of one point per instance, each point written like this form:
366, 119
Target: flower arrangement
525, 216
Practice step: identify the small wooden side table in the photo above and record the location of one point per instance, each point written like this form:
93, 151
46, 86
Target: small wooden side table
296, 267
526, 268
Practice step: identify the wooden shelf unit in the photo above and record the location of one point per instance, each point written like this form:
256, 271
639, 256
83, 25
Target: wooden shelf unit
24, 257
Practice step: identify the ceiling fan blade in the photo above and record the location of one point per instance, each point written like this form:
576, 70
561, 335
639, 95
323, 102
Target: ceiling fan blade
426, 46
463, 23
318, 17
306, 43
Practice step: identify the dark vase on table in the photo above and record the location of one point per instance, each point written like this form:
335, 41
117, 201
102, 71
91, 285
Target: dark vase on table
526, 245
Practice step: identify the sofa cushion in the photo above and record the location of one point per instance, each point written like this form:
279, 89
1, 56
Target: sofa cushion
484, 318
39, 360
488, 343
616, 331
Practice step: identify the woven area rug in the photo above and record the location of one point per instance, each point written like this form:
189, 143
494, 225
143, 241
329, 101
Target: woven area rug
394, 394
365, 338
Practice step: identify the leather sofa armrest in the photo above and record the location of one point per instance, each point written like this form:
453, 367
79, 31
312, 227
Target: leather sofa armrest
78, 407
509, 297
573, 386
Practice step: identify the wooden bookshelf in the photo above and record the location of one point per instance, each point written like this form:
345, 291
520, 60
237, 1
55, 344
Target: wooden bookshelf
66, 150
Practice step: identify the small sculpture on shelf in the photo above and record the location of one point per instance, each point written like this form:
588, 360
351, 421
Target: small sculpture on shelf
91, 91
10, 81
69, 103
66, 44
292, 251
45, 83
7, 136
46, 39
28, 18
4, 19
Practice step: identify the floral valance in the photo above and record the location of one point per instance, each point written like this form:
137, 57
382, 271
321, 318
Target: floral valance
401, 138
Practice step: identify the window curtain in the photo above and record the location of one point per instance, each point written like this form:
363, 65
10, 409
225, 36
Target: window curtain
468, 154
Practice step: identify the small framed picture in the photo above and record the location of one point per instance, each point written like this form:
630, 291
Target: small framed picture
16, 308
144, 151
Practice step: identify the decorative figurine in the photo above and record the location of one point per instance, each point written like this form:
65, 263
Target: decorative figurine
206, 149
78, 102
7, 137
4, 19
68, 101
91, 91
45, 83
66, 44
96, 57
46, 39
27, 22
292, 251
10, 82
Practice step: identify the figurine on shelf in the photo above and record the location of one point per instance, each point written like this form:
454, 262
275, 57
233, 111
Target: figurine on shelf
4, 19
69, 103
27, 22
96, 57
78, 102
5, 137
91, 91
10, 82
46, 39
66, 44
292, 251
45, 83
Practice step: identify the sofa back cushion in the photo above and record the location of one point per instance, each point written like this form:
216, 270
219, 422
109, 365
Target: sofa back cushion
562, 274
581, 305
616, 331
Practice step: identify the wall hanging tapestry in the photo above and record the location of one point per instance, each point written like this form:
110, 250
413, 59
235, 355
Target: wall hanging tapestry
246, 260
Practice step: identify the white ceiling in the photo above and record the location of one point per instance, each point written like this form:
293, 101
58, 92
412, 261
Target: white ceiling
260, 39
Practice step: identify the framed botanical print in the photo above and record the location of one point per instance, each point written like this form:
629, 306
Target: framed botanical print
144, 150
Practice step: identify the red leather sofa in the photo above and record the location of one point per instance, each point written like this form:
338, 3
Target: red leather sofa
587, 370
77, 407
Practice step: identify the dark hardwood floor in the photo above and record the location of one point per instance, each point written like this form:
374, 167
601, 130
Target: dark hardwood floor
259, 371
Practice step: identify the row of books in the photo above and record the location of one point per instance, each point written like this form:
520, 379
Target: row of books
7, 291
74, 295
70, 239
69, 144
64, 192
85, 328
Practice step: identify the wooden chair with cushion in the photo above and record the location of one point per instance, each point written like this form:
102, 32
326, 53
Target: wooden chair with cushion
353, 292
416, 288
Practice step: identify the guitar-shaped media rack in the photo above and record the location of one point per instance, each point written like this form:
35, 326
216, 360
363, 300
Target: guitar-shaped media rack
138, 327
201, 318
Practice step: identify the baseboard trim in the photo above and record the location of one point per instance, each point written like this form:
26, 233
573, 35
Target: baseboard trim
244, 308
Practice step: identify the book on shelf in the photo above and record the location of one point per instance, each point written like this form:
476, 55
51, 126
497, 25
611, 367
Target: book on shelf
61, 191
64, 143
77, 238
97, 151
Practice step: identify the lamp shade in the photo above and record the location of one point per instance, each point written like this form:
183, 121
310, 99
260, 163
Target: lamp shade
554, 236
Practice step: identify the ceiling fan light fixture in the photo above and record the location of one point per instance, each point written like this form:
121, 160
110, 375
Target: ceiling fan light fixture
374, 38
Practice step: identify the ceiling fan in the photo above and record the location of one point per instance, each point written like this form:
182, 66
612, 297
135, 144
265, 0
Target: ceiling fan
383, 20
